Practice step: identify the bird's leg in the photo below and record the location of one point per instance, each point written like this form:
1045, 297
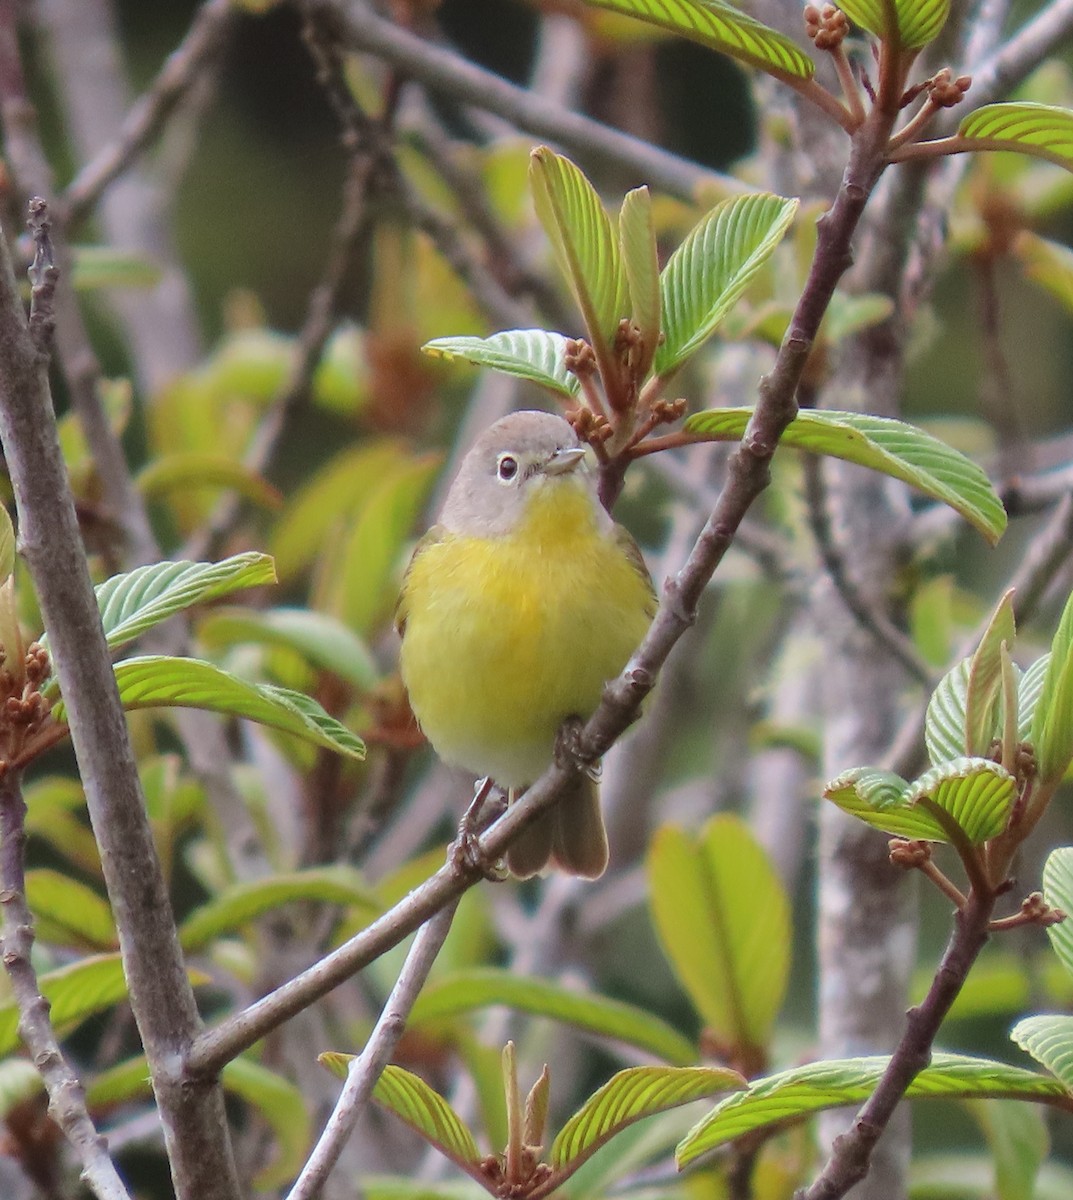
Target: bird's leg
466, 850
568, 752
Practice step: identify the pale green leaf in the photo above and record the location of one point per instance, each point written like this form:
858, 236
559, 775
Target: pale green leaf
127, 1080
640, 260
159, 681
283, 1107
976, 792
1049, 1039
68, 912
532, 354
917, 22
630, 1096
20, 1081
7, 545
891, 447
241, 903
1029, 690
709, 271
424, 1110
1052, 722
481, 987
797, 1093
133, 603
723, 920
985, 680
944, 722
186, 471
584, 241
1036, 129
322, 640
880, 799
1058, 892
723, 28
1017, 1137
110, 267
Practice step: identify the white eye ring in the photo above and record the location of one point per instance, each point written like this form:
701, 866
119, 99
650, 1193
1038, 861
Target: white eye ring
506, 468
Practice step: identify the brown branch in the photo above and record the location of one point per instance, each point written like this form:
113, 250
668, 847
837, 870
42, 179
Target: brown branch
66, 1095
194, 1119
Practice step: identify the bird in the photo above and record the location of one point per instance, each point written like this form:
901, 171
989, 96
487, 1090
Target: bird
517, 607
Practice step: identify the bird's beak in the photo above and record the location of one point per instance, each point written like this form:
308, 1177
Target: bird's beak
562, 462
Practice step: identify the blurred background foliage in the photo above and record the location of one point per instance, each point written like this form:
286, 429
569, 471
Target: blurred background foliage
259, 177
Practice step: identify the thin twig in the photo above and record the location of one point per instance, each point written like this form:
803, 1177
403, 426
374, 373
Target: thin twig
444, 71
182, 68
66, 1095
366, 1069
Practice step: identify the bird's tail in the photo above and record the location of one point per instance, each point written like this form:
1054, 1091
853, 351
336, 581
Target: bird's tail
571, 836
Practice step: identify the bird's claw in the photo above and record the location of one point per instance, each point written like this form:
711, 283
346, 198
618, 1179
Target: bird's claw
466, 852
569, 752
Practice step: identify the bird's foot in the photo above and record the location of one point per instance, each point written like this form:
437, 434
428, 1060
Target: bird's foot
569, 751
466, 851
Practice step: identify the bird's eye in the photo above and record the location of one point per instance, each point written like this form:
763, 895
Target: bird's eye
506, 467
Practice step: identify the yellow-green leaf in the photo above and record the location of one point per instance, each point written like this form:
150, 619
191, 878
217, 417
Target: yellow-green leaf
1040, 130
917, 22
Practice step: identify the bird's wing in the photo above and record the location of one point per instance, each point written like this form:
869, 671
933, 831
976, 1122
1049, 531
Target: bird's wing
629, 547
434, 535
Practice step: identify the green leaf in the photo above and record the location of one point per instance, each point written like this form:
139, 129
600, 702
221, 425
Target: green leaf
1029, 690
1017, 1137
67, 911
189, 470
127, 1080
424, 1110
976, 792
944, 722
891, 447
1052, 721
709, 271
364, 589
467, 991
879, 799
1058, 892
585, 245
533, 354
985, 680
134, 603
334, 494
1049, 1039
1050, 264
321, 640
640, 260
20, 1080
1040, 130
797, 1093
7, 545
159, 681
723, 28
240, 904
723, 920
283, 1107
107, 267
630, 1096
918, 22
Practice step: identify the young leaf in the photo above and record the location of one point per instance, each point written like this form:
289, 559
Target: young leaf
1058, 892
879, 798
918, 22
1040, 130
580, 231
640, 260
723, 28
240, 904
1029, 691
159, 681
533, 354
797, 1093
134, 603
7, 545
1052, 721
723, 919
68, 912
425, 1111
1049, 1039
20, 1081
323, 641
1017, 1138
480, 987
944, 721
630, 1096
284, 1109
709, 271
975, 792
881, 444
181, 472
985, 679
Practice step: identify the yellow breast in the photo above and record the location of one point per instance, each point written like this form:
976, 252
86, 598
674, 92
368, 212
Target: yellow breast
505, 637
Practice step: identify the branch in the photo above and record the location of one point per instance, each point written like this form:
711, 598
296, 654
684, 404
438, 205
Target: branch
748, 473
366, 1069
444, 71
164, 1007
66, 1096
207, 33
998, 75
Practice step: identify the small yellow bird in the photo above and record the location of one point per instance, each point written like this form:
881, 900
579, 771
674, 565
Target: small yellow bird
517, 607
